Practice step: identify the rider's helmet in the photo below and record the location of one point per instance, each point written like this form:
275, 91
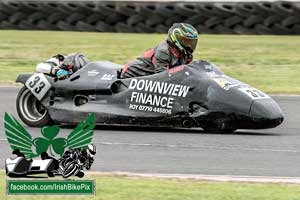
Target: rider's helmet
91, 150
184, 36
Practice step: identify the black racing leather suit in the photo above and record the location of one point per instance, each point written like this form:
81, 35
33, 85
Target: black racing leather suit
162, 57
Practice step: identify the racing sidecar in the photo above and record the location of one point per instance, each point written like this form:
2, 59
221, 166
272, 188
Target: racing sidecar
20, 166
194, 95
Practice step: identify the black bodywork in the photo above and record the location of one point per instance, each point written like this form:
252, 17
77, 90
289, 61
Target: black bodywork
213, 101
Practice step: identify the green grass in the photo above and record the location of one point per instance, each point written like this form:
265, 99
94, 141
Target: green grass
270, 63
126, 188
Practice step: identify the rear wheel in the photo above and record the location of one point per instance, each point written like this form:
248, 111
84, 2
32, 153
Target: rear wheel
30, 110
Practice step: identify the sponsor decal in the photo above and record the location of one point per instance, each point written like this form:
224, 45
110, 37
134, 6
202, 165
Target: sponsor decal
208, 67
107, 77
224, 83
93, 73
254, 93
38, 85
155, 96
212, 74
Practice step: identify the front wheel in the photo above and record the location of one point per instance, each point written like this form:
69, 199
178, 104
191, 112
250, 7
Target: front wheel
30, 110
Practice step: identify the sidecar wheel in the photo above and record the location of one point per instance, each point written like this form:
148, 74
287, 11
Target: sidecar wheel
30, 110
80, 174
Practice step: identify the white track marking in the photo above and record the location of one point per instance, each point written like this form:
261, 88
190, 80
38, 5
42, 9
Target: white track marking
222, 178
196, 147
200, 147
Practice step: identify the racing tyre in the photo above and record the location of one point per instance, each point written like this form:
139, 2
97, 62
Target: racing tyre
290, 21
126, 9
35, 17
30, 110
212, 22
114, 18
82, 26
142, 28
161, 28
17, 17
286, 8
156, 19
25, 25
124, 28
231, 21
223, 29
62, 25
3, 16
243, 30
186, 10
50, 174
175, 19
260, 29
224, 10
166, 10
203, 29
72, 19
272, 20
135, 19
103, 27
80, 174
94, 18
245, 9
55, 17
45, 25
196, 19
253, 20
7, 25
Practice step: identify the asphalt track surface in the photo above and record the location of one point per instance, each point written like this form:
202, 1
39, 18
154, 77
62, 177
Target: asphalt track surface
273, 152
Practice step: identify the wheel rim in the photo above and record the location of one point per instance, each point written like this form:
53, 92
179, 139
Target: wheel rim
31, 109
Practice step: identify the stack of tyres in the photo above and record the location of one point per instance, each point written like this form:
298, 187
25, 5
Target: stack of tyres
210, 17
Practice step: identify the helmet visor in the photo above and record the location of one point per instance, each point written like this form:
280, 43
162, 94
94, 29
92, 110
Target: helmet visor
188, 43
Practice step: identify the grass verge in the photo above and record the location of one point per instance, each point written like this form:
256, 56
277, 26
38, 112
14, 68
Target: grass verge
129, 188
270, 63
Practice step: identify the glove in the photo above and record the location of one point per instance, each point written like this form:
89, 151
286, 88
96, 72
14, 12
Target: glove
62, 74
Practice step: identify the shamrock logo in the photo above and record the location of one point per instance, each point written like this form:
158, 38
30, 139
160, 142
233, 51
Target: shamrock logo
57, 145
20, 139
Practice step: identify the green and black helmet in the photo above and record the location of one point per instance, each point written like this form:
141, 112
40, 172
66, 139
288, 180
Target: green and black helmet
184, 36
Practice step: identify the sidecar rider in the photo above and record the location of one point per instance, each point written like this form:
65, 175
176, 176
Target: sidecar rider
62, 66
176, 50
74, 161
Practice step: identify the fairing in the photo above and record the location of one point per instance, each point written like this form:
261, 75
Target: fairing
194, 95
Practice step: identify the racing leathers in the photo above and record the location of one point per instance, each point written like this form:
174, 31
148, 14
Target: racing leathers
162, 57
73, 162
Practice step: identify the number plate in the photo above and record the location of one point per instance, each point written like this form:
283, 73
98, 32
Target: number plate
254, 93
38, 85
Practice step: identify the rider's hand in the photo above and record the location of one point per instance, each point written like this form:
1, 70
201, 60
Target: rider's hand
62, 74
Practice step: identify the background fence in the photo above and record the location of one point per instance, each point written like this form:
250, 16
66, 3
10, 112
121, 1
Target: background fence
226, 17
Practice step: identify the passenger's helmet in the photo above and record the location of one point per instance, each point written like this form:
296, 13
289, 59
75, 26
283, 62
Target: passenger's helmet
183, 36
74, 62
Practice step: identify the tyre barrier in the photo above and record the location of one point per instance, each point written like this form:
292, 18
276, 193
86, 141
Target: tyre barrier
261, 17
